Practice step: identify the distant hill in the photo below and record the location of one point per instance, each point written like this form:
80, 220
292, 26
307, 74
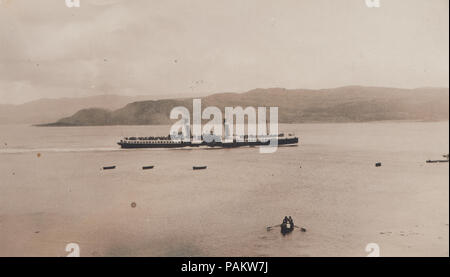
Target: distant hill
345, 104
49, 110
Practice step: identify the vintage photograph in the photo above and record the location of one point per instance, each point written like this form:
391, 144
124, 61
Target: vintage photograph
210, 128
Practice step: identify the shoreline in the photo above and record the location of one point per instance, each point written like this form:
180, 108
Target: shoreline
284, 123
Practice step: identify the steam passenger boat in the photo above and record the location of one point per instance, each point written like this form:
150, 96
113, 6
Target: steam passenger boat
209, 140
167, 142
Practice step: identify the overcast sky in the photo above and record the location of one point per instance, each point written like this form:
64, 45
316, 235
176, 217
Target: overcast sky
195, 47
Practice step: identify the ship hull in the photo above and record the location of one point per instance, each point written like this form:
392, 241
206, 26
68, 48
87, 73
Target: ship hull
126, 145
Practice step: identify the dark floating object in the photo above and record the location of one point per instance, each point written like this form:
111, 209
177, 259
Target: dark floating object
199, 167
109, 167
148, 167
378, 164
439, 161
303, 230
436, 161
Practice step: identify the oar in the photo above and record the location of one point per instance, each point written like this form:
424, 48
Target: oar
270, 227
301, 228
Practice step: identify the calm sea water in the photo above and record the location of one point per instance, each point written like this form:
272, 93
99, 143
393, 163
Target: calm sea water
53, 192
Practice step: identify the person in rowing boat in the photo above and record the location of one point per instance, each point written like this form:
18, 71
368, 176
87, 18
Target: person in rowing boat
291, 221
286, 227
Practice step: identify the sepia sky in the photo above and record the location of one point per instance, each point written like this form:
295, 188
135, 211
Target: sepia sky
171, 48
